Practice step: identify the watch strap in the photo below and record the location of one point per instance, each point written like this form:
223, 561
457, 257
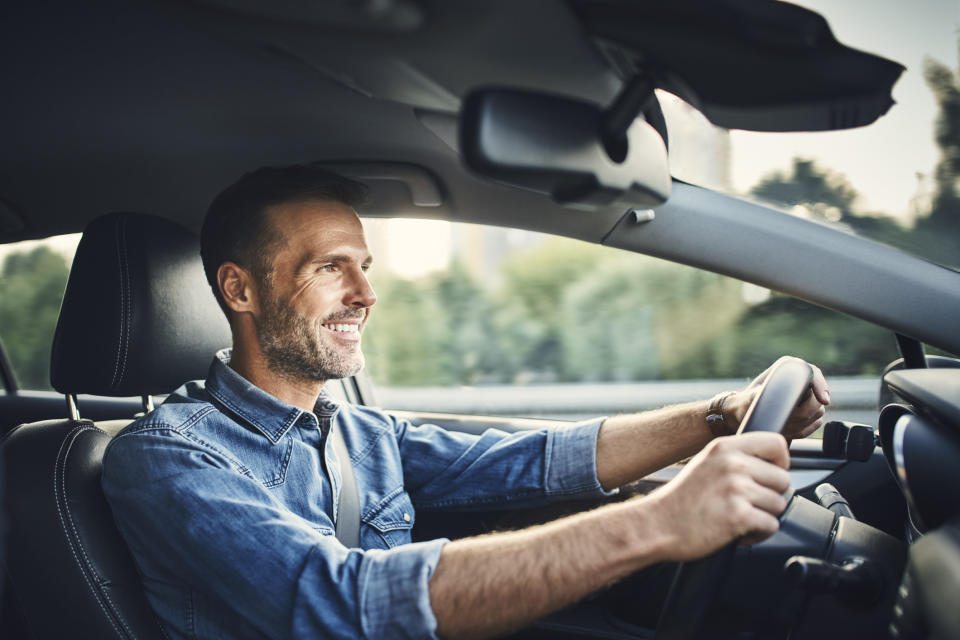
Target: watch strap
715, 420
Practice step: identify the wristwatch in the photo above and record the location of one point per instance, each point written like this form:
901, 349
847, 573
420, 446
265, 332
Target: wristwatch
718, 425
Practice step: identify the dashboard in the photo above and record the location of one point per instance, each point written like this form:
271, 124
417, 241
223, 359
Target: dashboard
920, 436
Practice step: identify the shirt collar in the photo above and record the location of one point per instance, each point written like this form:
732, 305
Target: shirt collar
264, 412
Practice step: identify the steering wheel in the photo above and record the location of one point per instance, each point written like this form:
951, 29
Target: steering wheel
696, 583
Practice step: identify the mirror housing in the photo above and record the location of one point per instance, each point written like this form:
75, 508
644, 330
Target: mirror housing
556, 146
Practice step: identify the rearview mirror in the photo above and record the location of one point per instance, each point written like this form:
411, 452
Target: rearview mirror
556, 146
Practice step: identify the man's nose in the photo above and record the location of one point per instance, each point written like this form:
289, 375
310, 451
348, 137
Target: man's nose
361, 294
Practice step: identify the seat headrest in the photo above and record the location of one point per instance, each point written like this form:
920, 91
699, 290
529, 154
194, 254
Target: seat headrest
138, 317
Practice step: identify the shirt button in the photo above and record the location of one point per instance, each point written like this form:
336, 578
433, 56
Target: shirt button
406, 517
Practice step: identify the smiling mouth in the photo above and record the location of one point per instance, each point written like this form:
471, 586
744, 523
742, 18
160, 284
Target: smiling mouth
342, 328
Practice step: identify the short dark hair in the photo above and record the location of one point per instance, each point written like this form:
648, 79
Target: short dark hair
236, 228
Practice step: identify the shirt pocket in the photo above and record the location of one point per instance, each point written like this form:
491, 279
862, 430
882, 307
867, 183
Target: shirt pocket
388, 524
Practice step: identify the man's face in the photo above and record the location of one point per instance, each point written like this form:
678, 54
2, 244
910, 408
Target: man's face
315, 301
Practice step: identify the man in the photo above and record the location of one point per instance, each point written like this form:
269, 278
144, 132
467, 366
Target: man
227, 493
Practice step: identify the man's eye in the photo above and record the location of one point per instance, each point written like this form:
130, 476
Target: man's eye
326, 267
366, 267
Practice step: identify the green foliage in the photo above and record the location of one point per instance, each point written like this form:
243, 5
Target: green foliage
838, 344
471, 351
939, 230
400, 339
614, 317
535, 279
533, 284
31, 288
641, 319
609, 332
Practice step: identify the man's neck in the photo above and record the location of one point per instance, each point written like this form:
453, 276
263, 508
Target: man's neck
299, 392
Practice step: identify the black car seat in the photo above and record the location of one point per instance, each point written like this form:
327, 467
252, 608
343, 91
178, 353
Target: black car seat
138, 319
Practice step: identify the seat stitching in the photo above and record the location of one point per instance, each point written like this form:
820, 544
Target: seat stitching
60, 469
9, 433
83, 551
116, 366
129, 304
56, 494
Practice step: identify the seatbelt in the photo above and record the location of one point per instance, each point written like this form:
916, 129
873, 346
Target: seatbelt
348, 509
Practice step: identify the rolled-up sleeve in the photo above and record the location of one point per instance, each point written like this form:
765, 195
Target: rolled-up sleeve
192, 518
444, 469
571, 464
395, 600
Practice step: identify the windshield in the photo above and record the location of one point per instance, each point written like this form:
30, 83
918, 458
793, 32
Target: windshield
896, 181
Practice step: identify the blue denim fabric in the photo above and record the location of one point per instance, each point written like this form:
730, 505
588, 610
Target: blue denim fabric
225, 496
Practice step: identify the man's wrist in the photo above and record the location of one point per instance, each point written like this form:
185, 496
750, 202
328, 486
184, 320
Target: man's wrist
655, 520
721, 417
648, 525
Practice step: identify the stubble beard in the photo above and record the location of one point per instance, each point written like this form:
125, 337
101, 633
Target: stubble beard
293, 347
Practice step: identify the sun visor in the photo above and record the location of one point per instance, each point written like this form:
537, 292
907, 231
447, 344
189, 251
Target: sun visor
758, 65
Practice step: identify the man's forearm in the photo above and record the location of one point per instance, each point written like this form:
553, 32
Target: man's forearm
491, 584
632, 446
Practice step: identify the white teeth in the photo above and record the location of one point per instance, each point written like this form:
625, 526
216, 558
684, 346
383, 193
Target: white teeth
343, 328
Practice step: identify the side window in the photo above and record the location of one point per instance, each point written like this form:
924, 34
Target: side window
490, 321
33, 276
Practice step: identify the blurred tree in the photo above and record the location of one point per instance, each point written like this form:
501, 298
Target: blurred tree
471, 351
401, 339
533, 284
609, 328
838, 344
940, 229
638, 318
443, 329
31, 288
825, 195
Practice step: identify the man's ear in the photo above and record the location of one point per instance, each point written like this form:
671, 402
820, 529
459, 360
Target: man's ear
236, 287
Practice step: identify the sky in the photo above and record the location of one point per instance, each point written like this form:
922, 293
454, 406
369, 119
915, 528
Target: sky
881, 161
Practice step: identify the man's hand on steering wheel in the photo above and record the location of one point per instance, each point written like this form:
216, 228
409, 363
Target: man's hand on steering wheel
732, 489
805, 419
737, 481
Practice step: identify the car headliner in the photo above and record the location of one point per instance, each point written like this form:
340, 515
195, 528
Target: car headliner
154, 107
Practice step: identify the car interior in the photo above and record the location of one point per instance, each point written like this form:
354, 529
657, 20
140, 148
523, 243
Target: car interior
123, 119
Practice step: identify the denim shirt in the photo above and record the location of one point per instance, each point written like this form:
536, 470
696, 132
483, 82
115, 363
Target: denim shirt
226, 495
